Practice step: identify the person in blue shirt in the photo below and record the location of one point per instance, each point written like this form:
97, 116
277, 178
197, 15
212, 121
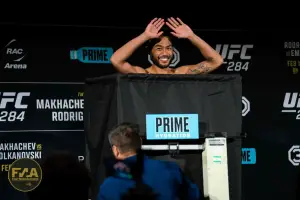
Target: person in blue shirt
132, 170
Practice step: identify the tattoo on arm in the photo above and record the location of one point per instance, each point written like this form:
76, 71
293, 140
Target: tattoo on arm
210, 59
203, 68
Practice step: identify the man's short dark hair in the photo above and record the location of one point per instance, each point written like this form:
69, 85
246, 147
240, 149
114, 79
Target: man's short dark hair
126, 137
150, 43
63, 177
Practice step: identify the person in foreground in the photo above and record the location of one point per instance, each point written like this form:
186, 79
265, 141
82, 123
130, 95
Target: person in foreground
63, 177
161, 50
136, 176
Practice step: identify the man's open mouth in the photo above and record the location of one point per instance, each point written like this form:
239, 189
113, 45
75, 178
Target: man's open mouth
164, 58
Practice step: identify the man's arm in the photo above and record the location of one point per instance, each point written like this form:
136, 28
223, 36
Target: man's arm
106, 191
186, 188
191, 190
118, 59
213, 58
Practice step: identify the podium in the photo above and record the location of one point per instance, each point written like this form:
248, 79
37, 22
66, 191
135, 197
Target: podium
216, 100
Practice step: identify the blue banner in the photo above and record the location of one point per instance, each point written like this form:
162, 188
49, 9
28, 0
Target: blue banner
92, 55
172, 126
248, 156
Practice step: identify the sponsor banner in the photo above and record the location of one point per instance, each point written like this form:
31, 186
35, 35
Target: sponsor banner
291, 104
41, 106
237, 57
248, 156
250, 53
94, 55
269, 62
172, 126
238, 49
246, 106
245, 52
37, 145
292, 55
294, 155
13, 55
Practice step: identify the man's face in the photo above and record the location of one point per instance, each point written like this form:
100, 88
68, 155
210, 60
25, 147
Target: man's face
162, 53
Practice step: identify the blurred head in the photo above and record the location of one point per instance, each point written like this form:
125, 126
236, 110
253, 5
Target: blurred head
63, 177
125, 140
161, 51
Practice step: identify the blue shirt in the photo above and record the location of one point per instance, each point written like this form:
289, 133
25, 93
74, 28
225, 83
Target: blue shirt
162, 176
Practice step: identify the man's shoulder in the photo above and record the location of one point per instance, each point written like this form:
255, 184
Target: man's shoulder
113, 182
139, 69
182, 69
112, 187
108, 181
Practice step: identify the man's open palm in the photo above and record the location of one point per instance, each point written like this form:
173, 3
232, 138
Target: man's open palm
180, 29
153, 28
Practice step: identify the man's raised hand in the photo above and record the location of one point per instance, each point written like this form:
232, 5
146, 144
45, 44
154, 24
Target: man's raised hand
153, 28
180, 29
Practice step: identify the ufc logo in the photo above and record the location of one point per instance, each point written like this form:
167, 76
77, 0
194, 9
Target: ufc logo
228, 51
291, 100
294, 155
13, 97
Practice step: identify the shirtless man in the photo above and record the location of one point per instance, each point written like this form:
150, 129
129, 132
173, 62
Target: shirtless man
161, 50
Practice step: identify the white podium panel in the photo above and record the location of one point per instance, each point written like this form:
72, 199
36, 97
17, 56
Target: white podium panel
215, 169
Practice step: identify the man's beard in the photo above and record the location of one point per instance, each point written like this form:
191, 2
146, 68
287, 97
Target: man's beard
156, 62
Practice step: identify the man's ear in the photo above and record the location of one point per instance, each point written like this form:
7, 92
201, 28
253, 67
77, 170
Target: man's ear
115, 150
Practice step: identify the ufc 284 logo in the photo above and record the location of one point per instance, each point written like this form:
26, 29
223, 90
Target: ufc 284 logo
236, 56
291, 103
12, 106
246, 106
294, 155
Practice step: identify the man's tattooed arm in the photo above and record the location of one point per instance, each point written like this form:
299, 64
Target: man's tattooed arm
202, 68
213, 59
